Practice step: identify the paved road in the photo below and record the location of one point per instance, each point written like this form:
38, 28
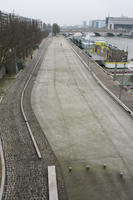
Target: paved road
84, 127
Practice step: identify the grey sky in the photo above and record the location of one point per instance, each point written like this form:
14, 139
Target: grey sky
68, 12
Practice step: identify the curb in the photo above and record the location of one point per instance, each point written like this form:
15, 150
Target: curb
23, 113
2, 164
22, 106
3, 171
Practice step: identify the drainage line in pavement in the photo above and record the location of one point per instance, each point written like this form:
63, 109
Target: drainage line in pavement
24, 115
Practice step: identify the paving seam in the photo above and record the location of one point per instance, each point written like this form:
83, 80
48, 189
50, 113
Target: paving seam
3, 171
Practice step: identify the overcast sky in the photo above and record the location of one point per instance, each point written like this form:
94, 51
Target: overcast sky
69, 12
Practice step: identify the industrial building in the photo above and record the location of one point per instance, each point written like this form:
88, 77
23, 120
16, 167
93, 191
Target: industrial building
119, 23
97, 23
84, 24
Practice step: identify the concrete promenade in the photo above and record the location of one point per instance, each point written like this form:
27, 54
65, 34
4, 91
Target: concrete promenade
84, 126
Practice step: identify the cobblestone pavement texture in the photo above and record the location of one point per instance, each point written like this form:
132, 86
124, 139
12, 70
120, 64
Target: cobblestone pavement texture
26, 175
84, 127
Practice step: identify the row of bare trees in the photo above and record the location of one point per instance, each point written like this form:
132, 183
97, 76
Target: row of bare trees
18, 36
55, 29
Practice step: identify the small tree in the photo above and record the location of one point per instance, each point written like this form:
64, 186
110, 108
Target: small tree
55, 29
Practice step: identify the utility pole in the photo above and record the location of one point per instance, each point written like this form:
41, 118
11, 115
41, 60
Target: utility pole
122, 81
114, 78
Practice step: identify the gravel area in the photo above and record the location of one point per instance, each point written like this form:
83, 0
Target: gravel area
26, 175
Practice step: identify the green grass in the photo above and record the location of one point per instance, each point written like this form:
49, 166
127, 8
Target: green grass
5, 83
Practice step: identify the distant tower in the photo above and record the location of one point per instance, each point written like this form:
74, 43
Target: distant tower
84, 24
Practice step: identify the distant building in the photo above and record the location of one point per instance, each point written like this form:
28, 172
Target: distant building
47, 27
84, 24
3, 20
44, 26
97, 23
119, 23
40, 24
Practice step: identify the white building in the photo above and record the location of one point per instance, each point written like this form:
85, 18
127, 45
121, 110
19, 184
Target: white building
84, 24
119, 23
97, 23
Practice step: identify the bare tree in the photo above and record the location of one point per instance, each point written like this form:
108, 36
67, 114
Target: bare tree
55, 29
18, 36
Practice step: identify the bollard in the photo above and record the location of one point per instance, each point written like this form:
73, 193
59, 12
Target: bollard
105, 165
87, 167
121, 174
70, 169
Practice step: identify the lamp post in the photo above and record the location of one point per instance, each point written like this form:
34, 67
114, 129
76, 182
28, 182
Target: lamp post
124, 59
122, 80
114, 78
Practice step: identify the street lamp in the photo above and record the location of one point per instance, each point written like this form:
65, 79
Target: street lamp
122, 81
114, 78
124, 59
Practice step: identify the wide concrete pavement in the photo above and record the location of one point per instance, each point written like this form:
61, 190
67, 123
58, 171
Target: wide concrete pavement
84, 127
